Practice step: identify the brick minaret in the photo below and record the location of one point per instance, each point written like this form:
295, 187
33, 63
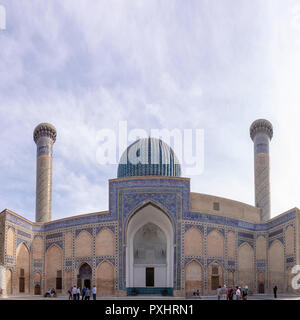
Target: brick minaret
44, 136
261, 132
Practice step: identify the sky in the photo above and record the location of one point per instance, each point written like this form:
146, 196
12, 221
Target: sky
84, 66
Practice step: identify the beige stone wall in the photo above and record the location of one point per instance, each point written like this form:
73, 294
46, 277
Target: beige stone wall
10, 242
68, 245
53, 263
231, 245
105, 279
276, 265
105, 243
246, 266
83, 245
289, 277
9, 282
203, 203
194, 277
68, 280
38, 248
22, 262
261, 247
231, 279
215, 244
289, 240
193, 242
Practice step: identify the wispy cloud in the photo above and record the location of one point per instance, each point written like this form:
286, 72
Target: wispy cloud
86, 65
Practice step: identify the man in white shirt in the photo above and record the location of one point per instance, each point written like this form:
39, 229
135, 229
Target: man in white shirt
238, 293
94, 292
74, 293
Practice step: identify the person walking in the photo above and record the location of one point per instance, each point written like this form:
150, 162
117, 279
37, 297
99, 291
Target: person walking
219, 292
245, 293
83, 293
70, 293
87, 294
74, 292
78, 293
228, 293
238, 293
94, 292
275, 291
224, 292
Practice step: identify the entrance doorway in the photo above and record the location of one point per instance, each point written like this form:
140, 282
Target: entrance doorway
84, 276
261, 288
37, 289
87, 283
149, 277
22, 284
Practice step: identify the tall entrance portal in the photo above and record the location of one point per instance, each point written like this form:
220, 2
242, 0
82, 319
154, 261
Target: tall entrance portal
149, 252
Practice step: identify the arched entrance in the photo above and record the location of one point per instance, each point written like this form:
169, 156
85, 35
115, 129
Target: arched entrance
149, 252
37, 283
84, 276
261, 282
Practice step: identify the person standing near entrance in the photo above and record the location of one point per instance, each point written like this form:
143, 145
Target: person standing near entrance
238, 293
275, 291
94, 292
219, 292
74, 292
87, 294
83, 293
70, 293
78, 293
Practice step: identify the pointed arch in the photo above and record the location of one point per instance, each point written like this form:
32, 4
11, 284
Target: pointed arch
53, 266
261, 278
23, 267
9, 282
215, 275
246, 265
143, 205
38, 248
261, 248
37, 282
193, 242
105, 243
163, 275
276, 265
83, 263
105, 278
194, 277
215, 244
83, 245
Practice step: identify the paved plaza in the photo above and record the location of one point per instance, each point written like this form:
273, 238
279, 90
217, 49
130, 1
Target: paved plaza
158, 297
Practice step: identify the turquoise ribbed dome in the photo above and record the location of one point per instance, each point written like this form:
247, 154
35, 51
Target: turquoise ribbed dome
149, 157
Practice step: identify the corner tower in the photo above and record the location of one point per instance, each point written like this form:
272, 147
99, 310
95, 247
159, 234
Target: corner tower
261, 133
44, 136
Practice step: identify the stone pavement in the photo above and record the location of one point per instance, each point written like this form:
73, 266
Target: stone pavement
157, 297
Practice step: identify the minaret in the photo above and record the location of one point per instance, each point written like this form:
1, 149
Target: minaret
261, 132
44, 136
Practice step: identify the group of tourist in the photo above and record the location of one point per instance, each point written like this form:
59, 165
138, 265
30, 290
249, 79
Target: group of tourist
85, 293
50, 293
224, 293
